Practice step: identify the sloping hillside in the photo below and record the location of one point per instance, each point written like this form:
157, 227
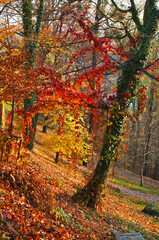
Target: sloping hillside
36, 203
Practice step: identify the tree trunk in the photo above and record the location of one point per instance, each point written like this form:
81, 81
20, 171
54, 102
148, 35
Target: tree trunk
136, 150
45, 126
30, 39
142, 182
57, 157
1, 115
10, 129
126, 83
91, 192
156, 170
148, 128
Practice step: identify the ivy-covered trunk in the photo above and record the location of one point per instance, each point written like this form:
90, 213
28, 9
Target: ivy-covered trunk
31, 34
126, 85
91, 192
1, 115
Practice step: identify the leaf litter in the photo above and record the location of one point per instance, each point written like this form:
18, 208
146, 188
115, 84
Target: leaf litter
36, 203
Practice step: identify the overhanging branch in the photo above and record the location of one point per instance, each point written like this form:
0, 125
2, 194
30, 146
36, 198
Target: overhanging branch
6, 5
119, 9
150, 75
89, 105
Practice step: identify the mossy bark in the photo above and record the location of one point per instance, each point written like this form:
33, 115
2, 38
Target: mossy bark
1, 114
90, 194
31, 35
126, 83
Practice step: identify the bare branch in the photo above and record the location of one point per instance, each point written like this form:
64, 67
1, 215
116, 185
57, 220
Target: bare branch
6, 5
151, 76
151, 64
128, 34
119, 9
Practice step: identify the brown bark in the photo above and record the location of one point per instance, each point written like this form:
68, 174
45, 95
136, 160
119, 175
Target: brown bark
1, 115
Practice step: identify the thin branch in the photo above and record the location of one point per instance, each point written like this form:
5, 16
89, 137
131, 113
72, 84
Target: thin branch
6, 5
130, 37
119, 37
63, 44
119, 9
101, 106
151, 64
150, 75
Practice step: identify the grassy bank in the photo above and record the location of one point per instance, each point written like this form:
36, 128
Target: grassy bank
135, 187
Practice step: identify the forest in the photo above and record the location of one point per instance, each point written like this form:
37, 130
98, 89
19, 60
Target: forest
79, 116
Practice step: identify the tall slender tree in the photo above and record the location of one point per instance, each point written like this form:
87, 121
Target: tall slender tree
1, 114
31, 34
126, 85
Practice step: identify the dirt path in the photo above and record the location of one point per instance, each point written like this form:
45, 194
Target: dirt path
120, 172
151, 198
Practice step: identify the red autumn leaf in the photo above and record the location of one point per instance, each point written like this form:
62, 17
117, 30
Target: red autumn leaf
156, 94
127, 149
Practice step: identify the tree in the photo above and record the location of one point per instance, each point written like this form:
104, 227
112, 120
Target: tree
142, 132
4, 5
69, 136
1, 114
19, 52
126, 86
31, 35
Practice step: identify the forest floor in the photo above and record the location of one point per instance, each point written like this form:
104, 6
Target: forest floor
122, 174
36, 202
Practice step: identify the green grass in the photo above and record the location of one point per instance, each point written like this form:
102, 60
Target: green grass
135, 187
138, 201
